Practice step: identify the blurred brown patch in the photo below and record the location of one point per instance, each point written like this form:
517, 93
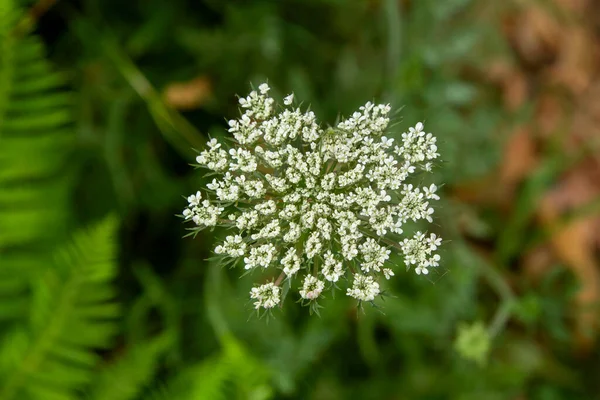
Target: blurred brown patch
520, 157
577, 62
537, 262
574, 6
574, 244
557, 69
534, 34
513, 82
188, 95
549, 115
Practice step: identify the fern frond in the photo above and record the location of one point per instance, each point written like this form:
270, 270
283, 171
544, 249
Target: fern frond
129, 375
232, 374
250, 376
211, 379
35, 140
57, 305
72, 313
35, 143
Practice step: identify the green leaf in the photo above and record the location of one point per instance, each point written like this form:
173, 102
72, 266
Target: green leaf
126, 377
55, 352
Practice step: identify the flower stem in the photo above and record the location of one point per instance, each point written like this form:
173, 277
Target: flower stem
279, 279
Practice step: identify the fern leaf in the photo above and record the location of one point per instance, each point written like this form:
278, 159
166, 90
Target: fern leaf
35, 143
232, 374
35, 140
128, 376
250, 376
73, 313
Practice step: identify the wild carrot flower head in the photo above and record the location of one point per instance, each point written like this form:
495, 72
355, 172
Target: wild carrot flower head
328, 204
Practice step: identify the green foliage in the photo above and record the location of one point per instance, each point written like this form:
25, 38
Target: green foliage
57, 293
232, 374
112, 145
473, 342
35, 143
34, 147
72, 312
128, 376
35, 139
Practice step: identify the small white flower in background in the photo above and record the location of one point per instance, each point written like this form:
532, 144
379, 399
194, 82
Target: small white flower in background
233, 246
260, 256
291, 262
430, 192
419, 251
264, 88
267, 295
364, 288
326, 204
312, 288
332, 267
388, 273
289, 99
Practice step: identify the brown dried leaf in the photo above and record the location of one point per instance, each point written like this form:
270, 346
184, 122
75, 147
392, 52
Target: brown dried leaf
511, 80
515, 89
480, 191
188, 95
535, 35
537, 262
586, 121
549, 114
577, 61
519, 157
558, 47
577, 6
574, 244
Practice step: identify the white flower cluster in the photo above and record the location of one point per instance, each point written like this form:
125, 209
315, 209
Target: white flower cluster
419, 250
327, 203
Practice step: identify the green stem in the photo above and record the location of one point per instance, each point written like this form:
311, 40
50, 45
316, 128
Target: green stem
175, 129
506, 294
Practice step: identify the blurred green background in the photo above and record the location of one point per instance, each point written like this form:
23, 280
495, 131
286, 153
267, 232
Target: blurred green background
102, 103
